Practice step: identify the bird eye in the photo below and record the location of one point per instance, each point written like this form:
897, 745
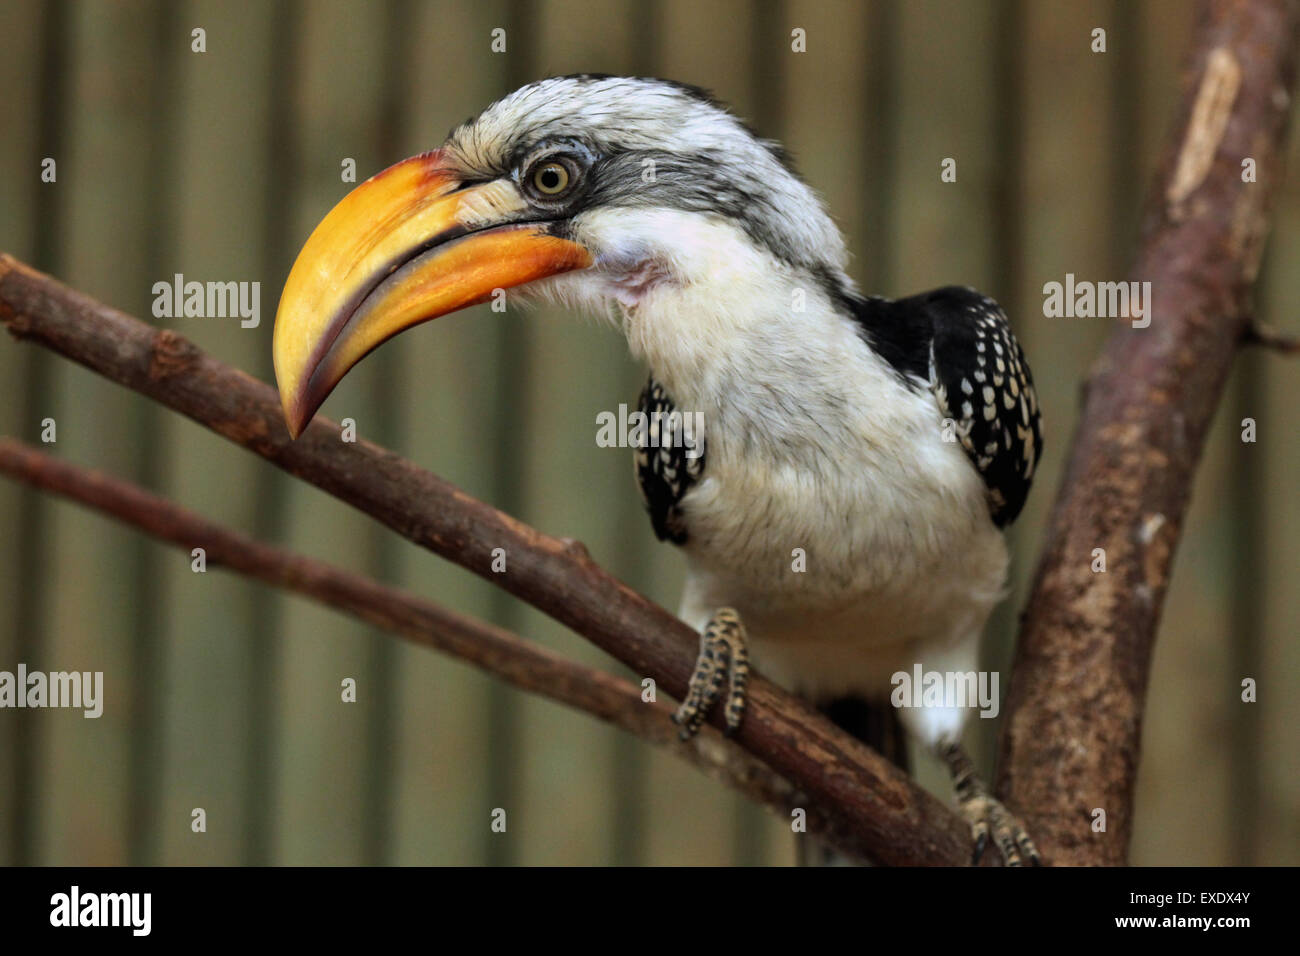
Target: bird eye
551, 179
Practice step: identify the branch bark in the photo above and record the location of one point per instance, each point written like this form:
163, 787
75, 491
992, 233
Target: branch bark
1072, 730
1265, 336
518, 662
897, 821
1074, 711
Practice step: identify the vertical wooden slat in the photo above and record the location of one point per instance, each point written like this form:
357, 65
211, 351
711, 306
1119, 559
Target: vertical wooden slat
1271, 836
330, 807
215, 713
441, 796
1246, 550
940, 232
271, 490
1128, 36
840, 152
1005, 147
93, 597
33, 69
148, 559
882, 45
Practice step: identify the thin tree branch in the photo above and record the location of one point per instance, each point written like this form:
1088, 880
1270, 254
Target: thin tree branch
1265, 336
893, 818
518, 662
1070, 740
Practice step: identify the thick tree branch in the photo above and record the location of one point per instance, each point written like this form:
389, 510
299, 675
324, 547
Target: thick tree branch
518, 662
1070, 740
898, 822
1074, 713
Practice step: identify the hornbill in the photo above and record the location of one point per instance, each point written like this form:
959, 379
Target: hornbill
883, 443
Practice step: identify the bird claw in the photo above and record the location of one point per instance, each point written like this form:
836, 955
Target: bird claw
988, 817
723, 653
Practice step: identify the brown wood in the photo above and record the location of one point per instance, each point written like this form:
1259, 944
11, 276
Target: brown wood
521, 663
1072, 731
899, 822
1073, 724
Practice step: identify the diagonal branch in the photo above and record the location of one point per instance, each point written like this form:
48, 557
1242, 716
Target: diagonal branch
894, 818
1074, 712
518, 662
1070, 740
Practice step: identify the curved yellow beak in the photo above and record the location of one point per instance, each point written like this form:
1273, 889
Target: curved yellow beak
407, 245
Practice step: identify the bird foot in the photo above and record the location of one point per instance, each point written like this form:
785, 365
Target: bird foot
988, 816
723, 652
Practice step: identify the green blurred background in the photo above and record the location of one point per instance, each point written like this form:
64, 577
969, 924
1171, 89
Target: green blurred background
225, 695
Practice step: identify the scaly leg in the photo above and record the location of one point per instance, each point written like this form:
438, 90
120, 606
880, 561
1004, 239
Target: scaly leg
987, 814
723, 653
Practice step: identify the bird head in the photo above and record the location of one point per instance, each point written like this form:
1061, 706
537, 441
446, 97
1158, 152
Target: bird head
610, 194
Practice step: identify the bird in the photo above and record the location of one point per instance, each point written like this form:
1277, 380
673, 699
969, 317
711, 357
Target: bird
842, 513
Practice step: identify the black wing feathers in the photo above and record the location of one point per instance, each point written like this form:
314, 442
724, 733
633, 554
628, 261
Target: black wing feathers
981, 381
663, 471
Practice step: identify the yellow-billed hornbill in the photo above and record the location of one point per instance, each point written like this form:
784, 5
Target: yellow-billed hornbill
886, 442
